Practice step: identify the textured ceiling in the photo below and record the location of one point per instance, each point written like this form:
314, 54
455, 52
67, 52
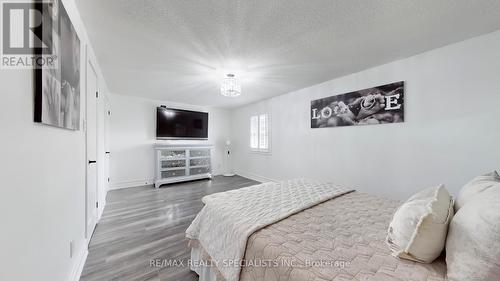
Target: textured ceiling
177, 49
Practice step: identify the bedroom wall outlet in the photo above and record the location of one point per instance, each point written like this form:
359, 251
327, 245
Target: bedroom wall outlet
70, 249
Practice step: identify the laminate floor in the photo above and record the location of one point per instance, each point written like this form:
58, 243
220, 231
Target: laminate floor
142, 224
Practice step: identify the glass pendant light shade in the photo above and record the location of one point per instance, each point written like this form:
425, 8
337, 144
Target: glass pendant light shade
230, 86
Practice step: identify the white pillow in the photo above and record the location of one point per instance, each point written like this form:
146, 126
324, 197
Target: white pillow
475, 187
473, 243
419, 227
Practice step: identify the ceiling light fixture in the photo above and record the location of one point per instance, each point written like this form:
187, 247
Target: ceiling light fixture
230, 86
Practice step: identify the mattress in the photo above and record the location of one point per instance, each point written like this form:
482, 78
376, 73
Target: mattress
340, 239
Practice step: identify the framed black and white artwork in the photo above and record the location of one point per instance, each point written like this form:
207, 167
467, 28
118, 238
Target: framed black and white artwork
57, 88
377, 105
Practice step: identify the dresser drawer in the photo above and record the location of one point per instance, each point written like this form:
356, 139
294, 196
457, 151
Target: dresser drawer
173, 153
173, 173
200, 153
198, 171
199, 162
165, 164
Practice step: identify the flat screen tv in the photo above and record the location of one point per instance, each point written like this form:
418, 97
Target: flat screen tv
181, 124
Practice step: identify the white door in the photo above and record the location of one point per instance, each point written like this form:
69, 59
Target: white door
91, 204
102, 152
107, 116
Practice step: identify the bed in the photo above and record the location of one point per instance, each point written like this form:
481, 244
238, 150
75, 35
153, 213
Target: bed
339, 238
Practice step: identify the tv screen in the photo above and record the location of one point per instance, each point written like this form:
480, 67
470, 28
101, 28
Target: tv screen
181, 124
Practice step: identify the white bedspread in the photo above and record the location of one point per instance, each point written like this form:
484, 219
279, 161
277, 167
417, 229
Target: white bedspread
223, 226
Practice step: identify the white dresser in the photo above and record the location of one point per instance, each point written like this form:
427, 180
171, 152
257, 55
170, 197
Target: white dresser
176, 163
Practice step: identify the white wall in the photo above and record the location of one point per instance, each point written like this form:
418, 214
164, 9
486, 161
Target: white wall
133, 134
42, 171
451, 132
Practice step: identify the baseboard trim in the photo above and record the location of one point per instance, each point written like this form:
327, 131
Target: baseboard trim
100, 211
139, 182
143, 182
78, 267
131, 183
255, 177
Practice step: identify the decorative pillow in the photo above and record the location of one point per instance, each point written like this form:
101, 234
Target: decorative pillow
473, 243
475, 187
419, 227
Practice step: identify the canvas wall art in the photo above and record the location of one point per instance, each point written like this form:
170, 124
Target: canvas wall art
378, 105
57, 89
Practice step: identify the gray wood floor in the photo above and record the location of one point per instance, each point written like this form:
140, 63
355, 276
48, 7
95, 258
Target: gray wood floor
141, 224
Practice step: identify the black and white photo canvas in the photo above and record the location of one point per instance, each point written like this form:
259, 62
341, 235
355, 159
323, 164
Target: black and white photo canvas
57, 89
377, 105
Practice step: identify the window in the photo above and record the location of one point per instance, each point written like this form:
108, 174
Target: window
259, 133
